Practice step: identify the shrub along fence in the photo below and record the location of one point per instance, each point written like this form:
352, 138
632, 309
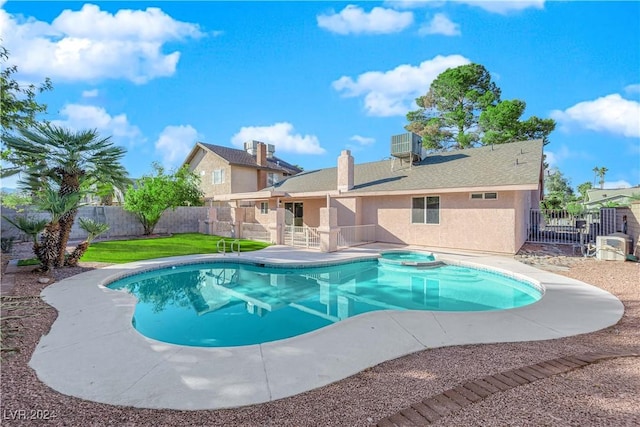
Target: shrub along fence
121, 223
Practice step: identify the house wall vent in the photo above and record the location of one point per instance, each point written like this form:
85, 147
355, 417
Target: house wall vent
612, 248
407, 146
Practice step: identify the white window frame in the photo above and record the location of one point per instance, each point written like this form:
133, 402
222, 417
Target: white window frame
217, 176
483, 196
264, 208
426, 210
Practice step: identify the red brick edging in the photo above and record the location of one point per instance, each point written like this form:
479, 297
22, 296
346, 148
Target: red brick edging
435, 407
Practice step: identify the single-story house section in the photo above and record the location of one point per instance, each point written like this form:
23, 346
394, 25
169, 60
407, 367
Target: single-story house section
598, 197
474, 199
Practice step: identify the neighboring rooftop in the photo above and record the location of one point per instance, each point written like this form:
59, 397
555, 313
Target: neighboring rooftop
513, 164
604, 195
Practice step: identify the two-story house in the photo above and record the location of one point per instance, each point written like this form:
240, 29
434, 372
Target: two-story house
225, 170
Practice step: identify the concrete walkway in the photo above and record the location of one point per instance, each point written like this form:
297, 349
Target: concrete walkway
92, 351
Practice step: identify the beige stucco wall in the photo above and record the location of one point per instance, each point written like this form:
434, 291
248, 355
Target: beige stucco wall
243, 179
480, 225
311, 212
204, 169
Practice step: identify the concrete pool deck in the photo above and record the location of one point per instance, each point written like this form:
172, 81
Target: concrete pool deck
93, 352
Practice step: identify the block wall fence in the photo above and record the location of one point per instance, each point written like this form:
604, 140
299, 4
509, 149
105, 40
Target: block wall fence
121, 223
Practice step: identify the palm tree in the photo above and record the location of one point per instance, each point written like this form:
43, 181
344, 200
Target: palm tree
601, 173
595, 174
70, 160
93, 229
32, 227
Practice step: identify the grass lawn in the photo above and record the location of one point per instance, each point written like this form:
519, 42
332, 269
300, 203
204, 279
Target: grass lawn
121, 251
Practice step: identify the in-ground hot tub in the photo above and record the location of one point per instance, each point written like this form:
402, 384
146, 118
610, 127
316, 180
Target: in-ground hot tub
409, 258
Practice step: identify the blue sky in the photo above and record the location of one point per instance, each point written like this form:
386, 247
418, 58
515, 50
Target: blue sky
314, 78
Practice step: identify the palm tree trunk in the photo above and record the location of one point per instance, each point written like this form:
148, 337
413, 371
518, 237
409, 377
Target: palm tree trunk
77, 253
70, 184
50, 244
66, 222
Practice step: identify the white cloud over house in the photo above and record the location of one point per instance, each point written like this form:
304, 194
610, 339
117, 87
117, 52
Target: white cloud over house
611, 113
393, 92
504, 7
282, 135
496, 6
632, 89
362, 140
91, 44
79, 117
355, 20
440, 24
175, 143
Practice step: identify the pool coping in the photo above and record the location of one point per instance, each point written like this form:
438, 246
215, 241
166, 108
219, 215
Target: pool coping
92, 351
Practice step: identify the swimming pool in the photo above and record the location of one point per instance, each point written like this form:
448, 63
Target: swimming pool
223, 304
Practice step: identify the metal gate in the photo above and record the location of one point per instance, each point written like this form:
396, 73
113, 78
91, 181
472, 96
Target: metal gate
560, 226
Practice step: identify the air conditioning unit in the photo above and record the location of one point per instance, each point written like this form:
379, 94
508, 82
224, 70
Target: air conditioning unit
612, 248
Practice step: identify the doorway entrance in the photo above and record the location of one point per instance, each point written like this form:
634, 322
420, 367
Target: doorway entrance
294, 213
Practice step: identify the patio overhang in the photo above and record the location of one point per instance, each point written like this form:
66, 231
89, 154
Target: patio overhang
256, 195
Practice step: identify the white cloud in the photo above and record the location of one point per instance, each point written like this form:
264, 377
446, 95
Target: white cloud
632, 89
362, 140
497, 6
91, 44
90, 93
393, 92
282, 136
504, 7
79, 117
440, 24
616, 184
175, 143
354, 20
610, 113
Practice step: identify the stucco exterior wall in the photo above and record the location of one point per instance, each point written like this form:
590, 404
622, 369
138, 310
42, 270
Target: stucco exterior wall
347, 209
311, 214
243, 179
480, 225
204, 169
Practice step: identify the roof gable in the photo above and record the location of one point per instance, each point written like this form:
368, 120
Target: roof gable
238, 157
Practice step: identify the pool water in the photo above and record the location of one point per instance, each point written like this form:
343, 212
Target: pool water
232, 304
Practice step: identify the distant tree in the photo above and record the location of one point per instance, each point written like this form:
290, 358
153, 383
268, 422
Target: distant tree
463, 108
558, 191
448, 113
17, 201
601, 173
53, 157
501, 124
18, 105
583, 188
153, 194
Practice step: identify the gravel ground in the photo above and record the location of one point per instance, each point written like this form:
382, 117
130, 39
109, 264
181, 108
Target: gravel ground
602, 394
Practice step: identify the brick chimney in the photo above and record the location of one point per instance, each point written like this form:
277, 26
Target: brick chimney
345, 171
261, 161
261, 154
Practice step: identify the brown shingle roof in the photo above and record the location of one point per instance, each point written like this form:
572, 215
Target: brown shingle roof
240, 157
517, 163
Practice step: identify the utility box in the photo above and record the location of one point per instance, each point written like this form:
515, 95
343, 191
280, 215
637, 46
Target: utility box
613, 247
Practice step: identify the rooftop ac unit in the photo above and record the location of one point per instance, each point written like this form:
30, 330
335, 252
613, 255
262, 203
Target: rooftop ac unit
612, 248
407, 146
